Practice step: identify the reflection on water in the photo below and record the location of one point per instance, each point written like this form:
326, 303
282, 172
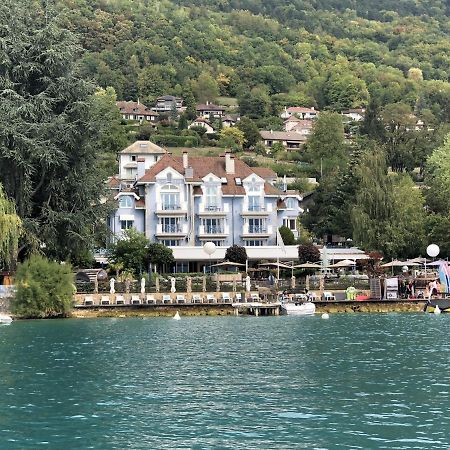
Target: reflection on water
354, 381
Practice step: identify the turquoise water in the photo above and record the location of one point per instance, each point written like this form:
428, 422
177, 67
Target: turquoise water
354, 381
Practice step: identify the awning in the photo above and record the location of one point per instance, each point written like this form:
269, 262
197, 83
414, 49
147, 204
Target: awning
126, 217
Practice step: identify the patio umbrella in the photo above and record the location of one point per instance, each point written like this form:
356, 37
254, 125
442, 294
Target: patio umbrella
307, 283
343, 263
395, 263
204, 284
217, 282
157, 284
142, 285
276, 264
172, 285
112, 289
418, 260
308, 265
228, 264
188, 285
247, 284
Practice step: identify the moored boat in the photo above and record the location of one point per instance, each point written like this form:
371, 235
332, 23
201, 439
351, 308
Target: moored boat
442, 303
298, 308
5, 319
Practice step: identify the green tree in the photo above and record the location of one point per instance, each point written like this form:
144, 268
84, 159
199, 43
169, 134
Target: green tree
308, 253
131, 252
254, 104
250, 130
160, 255
287, 235
232, 138
44, 288
326, 149
237, 254
10, 231
345, 90
48, 134
205, 88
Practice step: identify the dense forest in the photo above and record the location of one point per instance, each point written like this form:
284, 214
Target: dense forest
331, 54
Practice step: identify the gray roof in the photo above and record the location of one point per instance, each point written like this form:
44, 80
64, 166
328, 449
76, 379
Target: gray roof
282, 136
143, 148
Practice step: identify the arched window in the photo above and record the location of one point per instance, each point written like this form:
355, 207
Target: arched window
125, 201
170, 197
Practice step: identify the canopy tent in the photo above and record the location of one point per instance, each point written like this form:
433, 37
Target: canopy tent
343, 263
308, 265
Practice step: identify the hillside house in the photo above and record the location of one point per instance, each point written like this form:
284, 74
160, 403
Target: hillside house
136, 111
300, 112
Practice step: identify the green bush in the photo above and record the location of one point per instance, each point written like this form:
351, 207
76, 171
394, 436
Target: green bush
172, 140
44, 289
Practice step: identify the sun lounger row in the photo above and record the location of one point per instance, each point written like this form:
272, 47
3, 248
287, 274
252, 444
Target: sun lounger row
151, 299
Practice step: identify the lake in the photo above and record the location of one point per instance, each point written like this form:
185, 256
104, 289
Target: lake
359, 381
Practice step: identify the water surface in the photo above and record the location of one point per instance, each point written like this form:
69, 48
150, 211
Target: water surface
360, 381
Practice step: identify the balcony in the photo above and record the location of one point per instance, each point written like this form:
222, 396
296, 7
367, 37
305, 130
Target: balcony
213, 230
256, 210
171, 209
171, 230
256, 230
213, 210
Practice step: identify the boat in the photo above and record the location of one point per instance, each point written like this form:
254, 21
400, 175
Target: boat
5, 319
298, 308
442, 303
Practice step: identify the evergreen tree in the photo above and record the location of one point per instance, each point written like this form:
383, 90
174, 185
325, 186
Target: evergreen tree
372, 125
48, 163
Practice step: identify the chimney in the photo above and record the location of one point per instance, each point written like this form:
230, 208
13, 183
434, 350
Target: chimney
140, 167
229, 163
185, 160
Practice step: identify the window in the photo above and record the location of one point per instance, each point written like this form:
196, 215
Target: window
170, 242
257, 226
212, 200
170, 225
217, 243
133, 158
254, 203
254, 243
290, 223
290, 203
125, 201
126, 224
212, 226
170, 197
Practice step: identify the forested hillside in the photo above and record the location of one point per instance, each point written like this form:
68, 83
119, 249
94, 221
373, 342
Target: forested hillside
330, 54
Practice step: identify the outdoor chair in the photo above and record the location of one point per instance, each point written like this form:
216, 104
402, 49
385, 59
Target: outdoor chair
312, 297
181, 298
88, 300
135, 300
301, 297
120, 300
197, 299
226, 297
210, 298
105, 300
328, 296
238, 297
150, 299
166, 298
254, 297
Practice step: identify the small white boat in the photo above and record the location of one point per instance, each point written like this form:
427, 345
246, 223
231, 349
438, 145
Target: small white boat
298, 308
5, 319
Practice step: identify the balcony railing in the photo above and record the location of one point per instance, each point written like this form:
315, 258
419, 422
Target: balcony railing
257, 229
214, 229
172, 229
256, 208
170, 207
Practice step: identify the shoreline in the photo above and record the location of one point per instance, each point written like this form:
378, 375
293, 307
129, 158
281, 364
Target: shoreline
349, 307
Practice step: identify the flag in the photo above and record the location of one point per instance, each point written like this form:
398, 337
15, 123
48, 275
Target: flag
444, 276
280, 242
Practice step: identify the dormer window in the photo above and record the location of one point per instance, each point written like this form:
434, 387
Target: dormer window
290, 203
133, 158
125, 201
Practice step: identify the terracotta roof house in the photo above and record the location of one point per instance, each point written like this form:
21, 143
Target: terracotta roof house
185, 201
289, 139
136, 111
301, 126
204, 123
300, 112
208, 110
355, 115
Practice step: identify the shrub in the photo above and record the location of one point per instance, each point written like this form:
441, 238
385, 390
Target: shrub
287, 235
236, 254
308, 253
44, 289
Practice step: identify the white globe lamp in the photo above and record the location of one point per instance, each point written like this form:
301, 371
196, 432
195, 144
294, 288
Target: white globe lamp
209, 248
432, 250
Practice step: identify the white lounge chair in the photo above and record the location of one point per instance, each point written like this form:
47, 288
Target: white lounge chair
150, 299
254, 297
238, 297
166, 298
88, 300
135, 300
328, 296
196, 298
105, 300
181, 298
301, 297
120, 300
211, 298
226, 297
